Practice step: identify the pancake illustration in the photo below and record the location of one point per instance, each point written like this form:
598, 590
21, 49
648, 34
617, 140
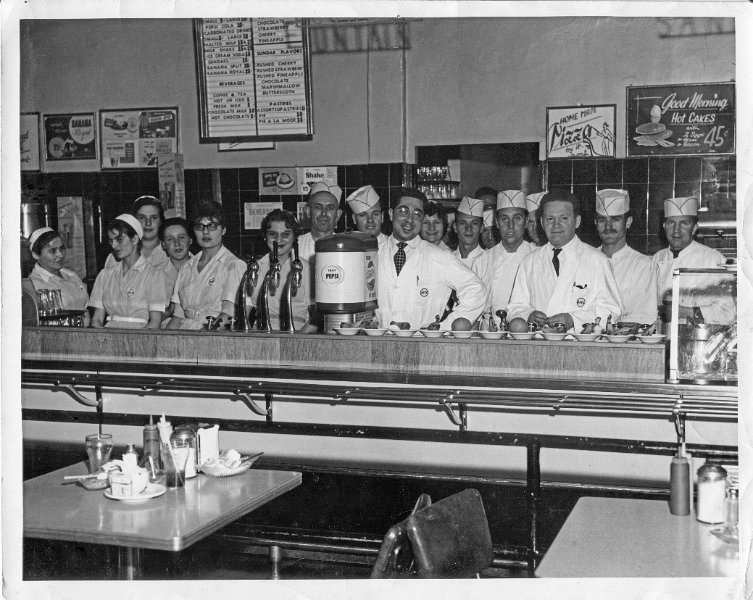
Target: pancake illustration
284, 181
653, 133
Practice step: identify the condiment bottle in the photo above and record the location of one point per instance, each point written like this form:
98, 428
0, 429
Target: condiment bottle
731, 509
679, 486
151, 441
711, 493
130, 459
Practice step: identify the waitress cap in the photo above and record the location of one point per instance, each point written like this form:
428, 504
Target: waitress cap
133, 222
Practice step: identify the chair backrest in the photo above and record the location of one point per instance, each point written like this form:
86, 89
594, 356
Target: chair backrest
29, 304
451, 537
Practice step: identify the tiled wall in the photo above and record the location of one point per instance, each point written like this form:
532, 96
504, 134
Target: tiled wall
649, 181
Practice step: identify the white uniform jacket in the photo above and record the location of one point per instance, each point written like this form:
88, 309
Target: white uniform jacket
301, 301
715, 307
480, 262
72, 289
504, 267
199, 295
636, 281
585, 288
157, 258
424, 286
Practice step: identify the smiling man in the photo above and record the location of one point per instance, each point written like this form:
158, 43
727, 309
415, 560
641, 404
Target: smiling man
416, 277
700, 301
512, 248
323, 209
564, 281
367, 212
635, 273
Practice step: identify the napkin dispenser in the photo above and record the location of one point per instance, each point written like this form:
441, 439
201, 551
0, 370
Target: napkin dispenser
208, 443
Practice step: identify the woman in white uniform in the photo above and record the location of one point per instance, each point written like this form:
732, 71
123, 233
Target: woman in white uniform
130, 294
49, 250
207, 285
281, 226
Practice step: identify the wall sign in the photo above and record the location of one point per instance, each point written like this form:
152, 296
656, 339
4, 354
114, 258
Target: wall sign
293, 181
29, 141
254, 79
254, 213
132, 138
70, 137
580, 131
681, 119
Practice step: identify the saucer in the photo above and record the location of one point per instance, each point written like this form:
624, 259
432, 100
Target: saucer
152, 491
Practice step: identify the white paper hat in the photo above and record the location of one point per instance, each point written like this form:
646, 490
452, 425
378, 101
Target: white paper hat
362, 199
489, 218
471, 206
533, 201
681, 207
511, 199
133, 222
320, 186
611, 203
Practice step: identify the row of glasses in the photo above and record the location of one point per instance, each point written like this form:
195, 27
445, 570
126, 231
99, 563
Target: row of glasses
441, 191
50, 302
436, 173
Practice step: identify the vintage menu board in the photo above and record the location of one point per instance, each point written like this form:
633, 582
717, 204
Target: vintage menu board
254, 80
681, 119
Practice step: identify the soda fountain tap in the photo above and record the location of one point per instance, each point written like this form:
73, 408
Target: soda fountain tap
246, 288
270, 284
292, 284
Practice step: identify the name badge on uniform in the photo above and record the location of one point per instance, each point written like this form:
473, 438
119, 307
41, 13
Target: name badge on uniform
581, 302
130, 292
211, 281
424, 292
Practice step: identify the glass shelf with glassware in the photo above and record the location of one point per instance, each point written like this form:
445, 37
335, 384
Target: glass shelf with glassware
435, 182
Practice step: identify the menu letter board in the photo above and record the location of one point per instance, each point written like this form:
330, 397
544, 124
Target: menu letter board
681, 119
253, 77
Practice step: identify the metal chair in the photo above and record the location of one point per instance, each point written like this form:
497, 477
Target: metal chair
449, 538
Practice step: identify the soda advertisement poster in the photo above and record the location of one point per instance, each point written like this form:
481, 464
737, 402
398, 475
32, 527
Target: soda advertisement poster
680, 119
293, 181
580, 131
133, 139
70, 137
29, 141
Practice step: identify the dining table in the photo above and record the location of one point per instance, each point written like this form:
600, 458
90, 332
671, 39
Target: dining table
56, 508
630, 537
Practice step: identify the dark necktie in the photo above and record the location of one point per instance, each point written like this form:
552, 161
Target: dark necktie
675, 253
399, 257
556, 260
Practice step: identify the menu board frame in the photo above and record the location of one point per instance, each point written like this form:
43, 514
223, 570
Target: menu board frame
205, 135
683, 128
131, 126
577, 121
65, 141
30, 142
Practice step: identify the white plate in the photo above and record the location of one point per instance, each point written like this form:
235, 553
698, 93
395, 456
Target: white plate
619, 339
523, 335
462, 335
651, 339
492, 335
152, 491
404, 332
347, 330
585, 337
432, 333
552, 336
375, 332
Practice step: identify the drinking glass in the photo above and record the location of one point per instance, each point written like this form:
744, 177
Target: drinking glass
98, 448
174, 457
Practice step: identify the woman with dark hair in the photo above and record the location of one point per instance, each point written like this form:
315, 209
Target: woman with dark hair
281, 226
434, 225
48, 249
208, 283
131, 292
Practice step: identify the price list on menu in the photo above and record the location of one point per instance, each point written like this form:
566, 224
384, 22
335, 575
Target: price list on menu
253, 79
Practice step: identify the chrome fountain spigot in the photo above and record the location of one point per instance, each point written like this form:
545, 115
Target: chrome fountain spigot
293, 283
270, 284
246, 288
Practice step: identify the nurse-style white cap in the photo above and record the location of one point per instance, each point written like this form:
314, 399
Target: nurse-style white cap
362, 199
511, 199
320, 186
533, 201
681, 207
133, 222
471, 206
612, 203
37, 233
488, 217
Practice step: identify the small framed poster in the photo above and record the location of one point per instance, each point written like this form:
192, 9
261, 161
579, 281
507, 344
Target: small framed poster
29, 141
133, 138
70, 136
669, 120
581, 131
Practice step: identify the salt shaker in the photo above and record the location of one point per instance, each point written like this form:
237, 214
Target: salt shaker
711, 493
731, 509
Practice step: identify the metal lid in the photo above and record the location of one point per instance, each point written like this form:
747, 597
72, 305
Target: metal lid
712, 472
185, 432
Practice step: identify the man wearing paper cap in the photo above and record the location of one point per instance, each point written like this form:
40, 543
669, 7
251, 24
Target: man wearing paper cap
323, 209
512, 248
698, 302
635, 273
533, 225
469, 222
564, 281
150, 214
417, 277
367, 212
489, 236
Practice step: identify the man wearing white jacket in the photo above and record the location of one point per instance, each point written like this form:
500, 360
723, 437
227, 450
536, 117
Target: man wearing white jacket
416, 278
564, 281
